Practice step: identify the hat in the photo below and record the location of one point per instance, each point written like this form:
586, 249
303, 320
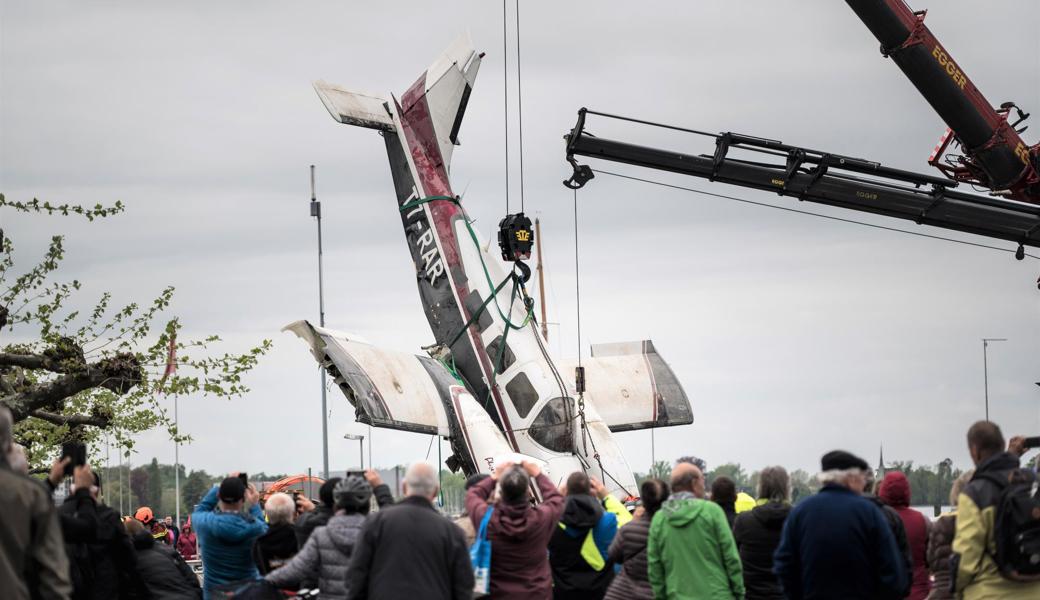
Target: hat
144, 514
352, 492
232, 489
840, 460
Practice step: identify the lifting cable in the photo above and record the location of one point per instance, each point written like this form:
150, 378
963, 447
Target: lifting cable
519, 107
505, 94
810, 213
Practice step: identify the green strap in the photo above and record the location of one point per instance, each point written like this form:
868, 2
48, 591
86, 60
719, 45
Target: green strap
421, 201
476, 315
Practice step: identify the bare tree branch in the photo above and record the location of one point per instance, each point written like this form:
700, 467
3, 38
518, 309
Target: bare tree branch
27, 361
117, 374
72, 420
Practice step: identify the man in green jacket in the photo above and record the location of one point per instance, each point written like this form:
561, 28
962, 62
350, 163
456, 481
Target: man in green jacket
690, 550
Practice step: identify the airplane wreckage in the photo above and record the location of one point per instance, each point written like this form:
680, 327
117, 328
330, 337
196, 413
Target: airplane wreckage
489, 384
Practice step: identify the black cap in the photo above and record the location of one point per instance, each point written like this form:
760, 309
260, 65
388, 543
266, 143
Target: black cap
232, 489
841, 460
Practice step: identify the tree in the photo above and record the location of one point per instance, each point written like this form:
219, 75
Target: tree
735, 472
661, 469
802, 485
155, 487
194, 488
98, 372
139, 486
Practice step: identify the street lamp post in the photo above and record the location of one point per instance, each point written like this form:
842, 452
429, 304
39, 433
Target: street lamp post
316, 212
985, 367
361, 448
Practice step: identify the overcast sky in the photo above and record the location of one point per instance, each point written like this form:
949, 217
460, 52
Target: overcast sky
792, 335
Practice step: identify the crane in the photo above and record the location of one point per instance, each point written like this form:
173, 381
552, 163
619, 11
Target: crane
992, 153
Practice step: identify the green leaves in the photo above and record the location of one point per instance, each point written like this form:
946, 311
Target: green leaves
35, 206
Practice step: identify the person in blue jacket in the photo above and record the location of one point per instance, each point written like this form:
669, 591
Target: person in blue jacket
837, 544
227, 521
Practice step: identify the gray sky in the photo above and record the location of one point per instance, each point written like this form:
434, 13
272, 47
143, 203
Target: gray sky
792, 335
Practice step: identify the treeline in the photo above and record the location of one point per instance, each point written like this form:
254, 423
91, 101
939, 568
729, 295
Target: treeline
153, 485
929, 486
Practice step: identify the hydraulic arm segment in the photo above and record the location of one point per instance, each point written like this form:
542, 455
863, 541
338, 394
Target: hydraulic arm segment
817, 176
994, 156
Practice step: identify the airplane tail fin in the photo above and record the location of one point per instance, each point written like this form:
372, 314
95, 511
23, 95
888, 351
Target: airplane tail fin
437, 99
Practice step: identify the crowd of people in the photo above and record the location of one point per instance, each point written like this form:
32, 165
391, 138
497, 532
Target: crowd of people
524, 537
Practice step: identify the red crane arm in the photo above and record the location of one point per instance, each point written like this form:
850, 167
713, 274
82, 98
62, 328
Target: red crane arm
997, 157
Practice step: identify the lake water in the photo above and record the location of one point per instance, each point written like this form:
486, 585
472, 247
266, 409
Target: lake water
929, 511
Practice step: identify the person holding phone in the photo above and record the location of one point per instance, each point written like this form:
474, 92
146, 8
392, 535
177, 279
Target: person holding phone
227, 522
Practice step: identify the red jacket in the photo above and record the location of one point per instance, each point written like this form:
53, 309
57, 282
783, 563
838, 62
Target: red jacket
519, 535
895, 492
186, 544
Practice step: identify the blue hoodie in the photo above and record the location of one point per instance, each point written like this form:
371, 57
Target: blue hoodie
226, 541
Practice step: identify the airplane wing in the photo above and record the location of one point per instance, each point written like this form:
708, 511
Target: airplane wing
632, 387
397, 390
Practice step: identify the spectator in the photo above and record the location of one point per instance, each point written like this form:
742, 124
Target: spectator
464, 521
974, 545
757, 534
274, 548
186, 543
724, 493
519, 531
33, 563
895, 525
580, 569
895, 492
78, 525
837, 544
16, 459
103, 562
629, 547
163, 571
940, 544
410, 550
690, 548
326, 555
312, 516
227, 521
172, 528
155, 526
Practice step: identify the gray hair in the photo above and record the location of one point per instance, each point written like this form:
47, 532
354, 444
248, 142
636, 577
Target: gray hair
280, 508
421, 480
774, 484
839, 476
17, 460
6, 431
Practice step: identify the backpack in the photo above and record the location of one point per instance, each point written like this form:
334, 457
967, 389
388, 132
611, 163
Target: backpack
480, 556
1016, 524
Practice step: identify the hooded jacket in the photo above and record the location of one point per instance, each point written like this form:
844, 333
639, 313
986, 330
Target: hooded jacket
106, 566
837, 544
578, 548
757, 534
691, 552
895, 492
186, 544
519, 535
226, 541
974, 544
165, 574
324, 558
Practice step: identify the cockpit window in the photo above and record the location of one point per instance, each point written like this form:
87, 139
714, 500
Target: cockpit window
522, 393
554, 425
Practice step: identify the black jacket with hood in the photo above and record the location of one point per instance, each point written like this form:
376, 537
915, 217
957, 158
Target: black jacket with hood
757, 533
165, 574
572, 573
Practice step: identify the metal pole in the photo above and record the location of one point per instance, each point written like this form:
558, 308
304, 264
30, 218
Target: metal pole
177, 463
370, 447
440, 488
985, 368
653, 453
361, 452
541, 277
316, 212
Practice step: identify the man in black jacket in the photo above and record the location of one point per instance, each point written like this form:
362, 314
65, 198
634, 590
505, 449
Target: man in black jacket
163, 571
312, 517
410, 550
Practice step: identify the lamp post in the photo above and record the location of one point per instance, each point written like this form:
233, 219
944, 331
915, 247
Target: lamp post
316, 212
985, 367
361, 448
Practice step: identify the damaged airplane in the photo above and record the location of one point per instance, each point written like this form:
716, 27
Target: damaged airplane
489, 384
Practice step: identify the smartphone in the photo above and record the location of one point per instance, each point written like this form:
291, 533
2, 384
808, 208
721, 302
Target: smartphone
245, 478
77, 452
360, 474
1032, 442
